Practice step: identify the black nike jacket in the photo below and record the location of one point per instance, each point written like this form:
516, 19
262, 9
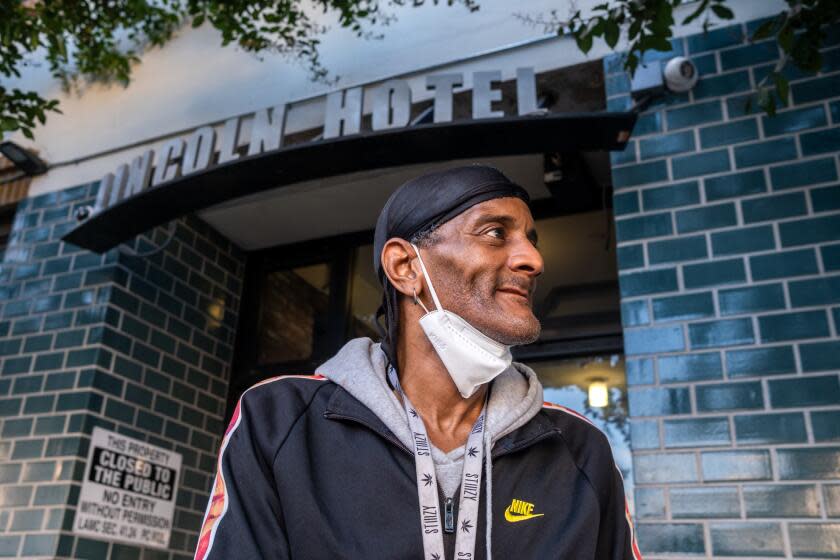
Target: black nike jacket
306, 471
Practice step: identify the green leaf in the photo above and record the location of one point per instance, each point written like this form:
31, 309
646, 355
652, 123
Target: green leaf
634, 29
584, 42
198, 20
631, 62
785, 37
656, 42
805, 52
664, 19
27, 132
722, 12
611, 33
596, 27
766, 29
701, 7
782, 86
767, 101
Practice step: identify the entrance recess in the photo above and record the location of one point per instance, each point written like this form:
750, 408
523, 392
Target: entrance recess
303, 301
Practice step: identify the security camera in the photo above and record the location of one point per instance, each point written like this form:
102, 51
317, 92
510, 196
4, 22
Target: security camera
680, 74
83, 213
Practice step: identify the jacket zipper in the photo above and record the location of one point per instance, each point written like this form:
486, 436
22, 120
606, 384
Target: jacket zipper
448, 517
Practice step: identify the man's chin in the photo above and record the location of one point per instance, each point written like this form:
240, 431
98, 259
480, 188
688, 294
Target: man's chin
517, 333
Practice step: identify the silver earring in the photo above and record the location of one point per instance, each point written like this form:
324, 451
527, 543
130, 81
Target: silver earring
418, 302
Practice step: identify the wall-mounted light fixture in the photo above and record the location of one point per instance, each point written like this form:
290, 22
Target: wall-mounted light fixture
599, 394
23, 159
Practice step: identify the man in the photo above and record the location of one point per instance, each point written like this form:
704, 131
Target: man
431, 444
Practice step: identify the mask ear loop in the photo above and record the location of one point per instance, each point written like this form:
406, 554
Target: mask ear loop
438, 306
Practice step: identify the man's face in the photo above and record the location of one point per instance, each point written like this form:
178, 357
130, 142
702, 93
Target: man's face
484, 267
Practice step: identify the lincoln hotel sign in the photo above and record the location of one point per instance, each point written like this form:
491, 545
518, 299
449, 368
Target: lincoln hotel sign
391, 108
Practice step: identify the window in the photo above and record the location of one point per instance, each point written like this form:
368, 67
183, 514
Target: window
293, 312
365, 294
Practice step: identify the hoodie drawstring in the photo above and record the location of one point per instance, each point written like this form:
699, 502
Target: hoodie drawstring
488, 484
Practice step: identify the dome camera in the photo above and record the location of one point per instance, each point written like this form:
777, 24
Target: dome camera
680, 74
83, 213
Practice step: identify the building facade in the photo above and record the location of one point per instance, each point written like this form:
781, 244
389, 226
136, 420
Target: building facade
694, 273
727, 231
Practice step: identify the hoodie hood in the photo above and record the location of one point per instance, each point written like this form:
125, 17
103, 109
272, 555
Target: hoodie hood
360, 369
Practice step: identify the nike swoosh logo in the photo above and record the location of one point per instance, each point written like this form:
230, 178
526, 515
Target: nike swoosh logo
516, 517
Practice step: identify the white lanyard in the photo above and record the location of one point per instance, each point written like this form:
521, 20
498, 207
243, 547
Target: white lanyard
427, 484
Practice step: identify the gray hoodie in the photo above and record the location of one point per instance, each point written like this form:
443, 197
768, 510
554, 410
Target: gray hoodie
359, 368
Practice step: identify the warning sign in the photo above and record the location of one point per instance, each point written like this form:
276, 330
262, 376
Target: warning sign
129, 490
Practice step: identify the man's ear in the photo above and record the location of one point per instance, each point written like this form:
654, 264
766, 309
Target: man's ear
399, 264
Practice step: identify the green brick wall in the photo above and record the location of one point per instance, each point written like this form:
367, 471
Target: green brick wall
728, 229
138, 345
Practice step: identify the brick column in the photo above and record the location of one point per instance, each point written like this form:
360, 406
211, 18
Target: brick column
138, 345
728, 225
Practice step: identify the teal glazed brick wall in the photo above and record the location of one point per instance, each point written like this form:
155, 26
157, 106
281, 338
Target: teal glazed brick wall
728, 230
138, 345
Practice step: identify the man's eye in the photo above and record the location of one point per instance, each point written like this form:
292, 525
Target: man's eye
497, 232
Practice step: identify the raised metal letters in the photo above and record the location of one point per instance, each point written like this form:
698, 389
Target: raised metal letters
199, 150
391, 105
230, 139
111, 188
344, 113
342, 117
118, 190
267, 130
526, 91
483, 94
104, 193
165, 169
443, 84
139, 172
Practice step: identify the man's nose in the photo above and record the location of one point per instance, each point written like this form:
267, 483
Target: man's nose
527, 258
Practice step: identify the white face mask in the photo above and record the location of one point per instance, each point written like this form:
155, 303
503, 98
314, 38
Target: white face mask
471, 357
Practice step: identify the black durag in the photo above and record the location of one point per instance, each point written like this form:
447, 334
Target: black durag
422, 204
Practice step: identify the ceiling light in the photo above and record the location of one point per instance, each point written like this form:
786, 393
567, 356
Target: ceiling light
599, 396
